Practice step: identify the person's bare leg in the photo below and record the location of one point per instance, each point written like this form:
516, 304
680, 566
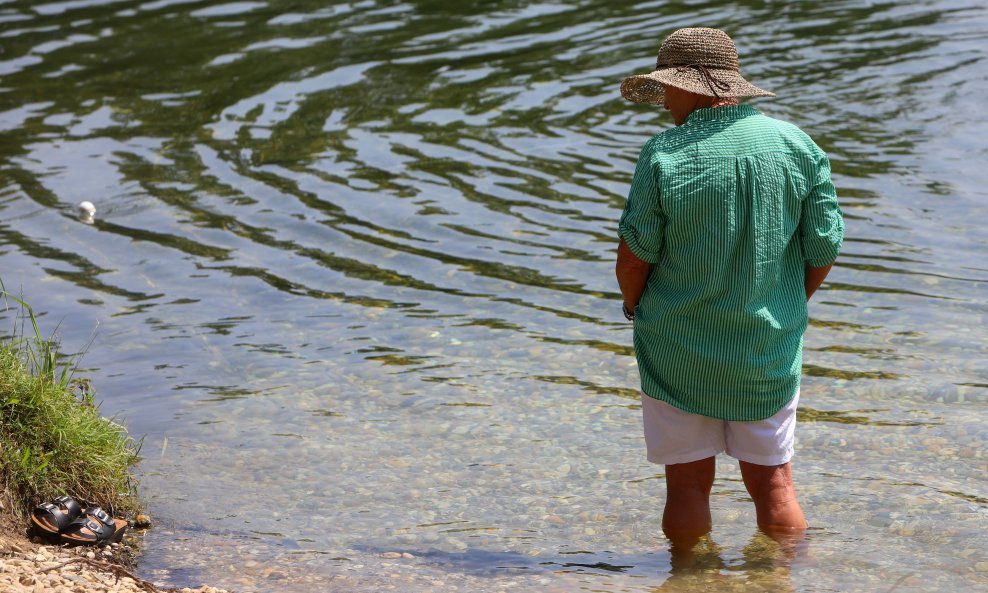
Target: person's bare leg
687, 513
772, 489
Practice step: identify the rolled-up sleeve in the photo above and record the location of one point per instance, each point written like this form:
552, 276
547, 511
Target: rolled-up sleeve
642, 222
821, 228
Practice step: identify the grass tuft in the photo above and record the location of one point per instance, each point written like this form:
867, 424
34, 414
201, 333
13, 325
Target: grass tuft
53, 440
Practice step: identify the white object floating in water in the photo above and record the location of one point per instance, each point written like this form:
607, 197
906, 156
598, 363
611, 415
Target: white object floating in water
86, 211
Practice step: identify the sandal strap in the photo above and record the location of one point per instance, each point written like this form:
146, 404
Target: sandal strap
60, 512
68, 504
102, 530
100, 515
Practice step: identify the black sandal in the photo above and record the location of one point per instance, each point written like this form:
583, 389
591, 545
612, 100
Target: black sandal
51, 518
94, 527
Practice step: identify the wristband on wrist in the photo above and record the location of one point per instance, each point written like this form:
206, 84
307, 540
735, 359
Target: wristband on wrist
629, 315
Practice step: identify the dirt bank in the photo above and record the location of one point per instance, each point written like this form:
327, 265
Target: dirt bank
28, 566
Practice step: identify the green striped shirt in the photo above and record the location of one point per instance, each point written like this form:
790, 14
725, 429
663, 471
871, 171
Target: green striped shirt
729, 208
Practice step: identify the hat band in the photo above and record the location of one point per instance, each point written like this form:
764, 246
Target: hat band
704, 71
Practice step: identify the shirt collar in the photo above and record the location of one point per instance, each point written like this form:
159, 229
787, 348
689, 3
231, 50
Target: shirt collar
727, 112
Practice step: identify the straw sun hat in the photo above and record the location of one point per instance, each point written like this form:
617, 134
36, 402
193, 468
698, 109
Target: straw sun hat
702, 61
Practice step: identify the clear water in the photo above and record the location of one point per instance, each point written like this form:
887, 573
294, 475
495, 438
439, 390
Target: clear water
350, 275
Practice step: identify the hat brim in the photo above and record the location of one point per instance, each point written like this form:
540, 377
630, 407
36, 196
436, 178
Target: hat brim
649, 88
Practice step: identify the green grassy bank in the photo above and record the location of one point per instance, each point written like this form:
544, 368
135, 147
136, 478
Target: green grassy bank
53, 440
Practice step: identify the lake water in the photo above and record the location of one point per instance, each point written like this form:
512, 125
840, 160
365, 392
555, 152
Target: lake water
351, 277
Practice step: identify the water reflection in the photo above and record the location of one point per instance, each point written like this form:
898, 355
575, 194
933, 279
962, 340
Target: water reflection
765, 564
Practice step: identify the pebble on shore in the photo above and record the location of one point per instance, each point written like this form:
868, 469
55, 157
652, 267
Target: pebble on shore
30, 568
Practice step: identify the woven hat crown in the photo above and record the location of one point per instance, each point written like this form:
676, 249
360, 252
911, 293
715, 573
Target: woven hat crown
710, 48
698, 60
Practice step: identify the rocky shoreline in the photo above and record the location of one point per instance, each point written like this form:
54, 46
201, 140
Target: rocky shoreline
27, 566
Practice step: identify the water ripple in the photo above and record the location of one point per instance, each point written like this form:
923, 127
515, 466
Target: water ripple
307, 215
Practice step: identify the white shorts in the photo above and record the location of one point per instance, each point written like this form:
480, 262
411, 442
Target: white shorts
675, 436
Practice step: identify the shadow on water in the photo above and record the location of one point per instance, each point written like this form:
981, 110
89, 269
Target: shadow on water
764, 562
